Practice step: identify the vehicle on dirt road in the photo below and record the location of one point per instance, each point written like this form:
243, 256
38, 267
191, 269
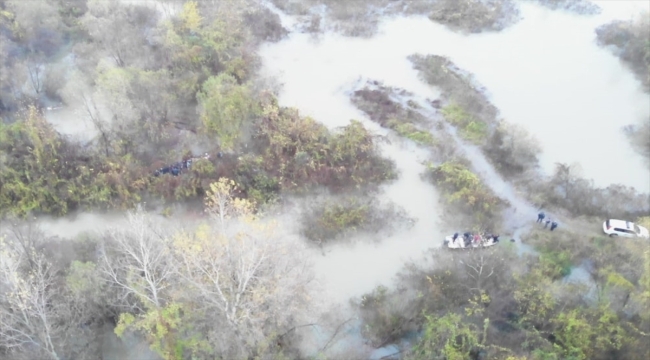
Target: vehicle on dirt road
613, 228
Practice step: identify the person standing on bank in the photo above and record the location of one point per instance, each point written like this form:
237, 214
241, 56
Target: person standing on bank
540, 216
553, 225
548, 221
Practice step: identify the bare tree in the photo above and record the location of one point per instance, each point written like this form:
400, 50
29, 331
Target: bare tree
77, 90
27, 317
135, 259
117, 28
566, 177
26, 237
35, 70
484, 269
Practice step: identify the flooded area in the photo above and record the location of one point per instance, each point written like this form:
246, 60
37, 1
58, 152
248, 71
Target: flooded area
362, 262
545, 72
572, 95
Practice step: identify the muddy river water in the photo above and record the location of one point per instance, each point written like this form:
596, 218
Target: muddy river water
546, 73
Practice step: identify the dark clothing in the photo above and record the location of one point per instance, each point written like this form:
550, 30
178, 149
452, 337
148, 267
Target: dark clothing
540, 217
546, 223
553, 225
455, 236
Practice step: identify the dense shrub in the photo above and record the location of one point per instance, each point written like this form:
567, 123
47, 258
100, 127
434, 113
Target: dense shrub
300, 152
465, 191
42, 172
474, 16
327, 220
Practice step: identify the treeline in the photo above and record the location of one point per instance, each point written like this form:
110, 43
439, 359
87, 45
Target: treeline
158, 86
496, 304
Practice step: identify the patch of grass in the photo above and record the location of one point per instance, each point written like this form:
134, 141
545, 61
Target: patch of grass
471, 129
475, 131
409, 131
455, 115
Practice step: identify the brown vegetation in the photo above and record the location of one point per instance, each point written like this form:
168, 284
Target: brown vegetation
375, 100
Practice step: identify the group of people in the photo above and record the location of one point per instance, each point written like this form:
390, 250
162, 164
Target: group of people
540, 219
469, 239
177, 168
